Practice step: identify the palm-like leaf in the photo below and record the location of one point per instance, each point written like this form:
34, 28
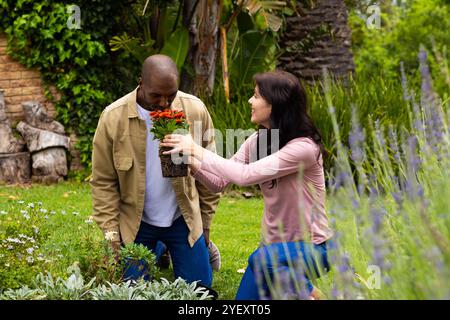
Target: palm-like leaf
132, 46
266, 9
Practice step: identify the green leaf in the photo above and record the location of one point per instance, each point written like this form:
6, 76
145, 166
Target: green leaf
244, 22
177, 46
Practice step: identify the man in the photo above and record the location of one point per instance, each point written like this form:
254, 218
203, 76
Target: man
131, 199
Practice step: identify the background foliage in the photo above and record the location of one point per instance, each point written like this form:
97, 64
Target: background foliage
77, 62
100, 62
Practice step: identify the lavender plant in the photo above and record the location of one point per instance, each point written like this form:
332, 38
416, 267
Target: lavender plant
402, 207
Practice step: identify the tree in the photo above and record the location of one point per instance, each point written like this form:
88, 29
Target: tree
318, 37
202, 19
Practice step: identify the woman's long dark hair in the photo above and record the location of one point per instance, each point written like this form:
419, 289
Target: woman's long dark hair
284, 92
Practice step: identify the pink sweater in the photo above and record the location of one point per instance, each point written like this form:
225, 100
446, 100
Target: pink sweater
294, 209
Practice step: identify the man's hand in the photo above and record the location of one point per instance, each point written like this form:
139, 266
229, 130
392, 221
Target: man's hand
206, 235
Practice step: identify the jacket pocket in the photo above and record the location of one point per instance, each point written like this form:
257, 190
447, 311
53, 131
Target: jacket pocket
123, 163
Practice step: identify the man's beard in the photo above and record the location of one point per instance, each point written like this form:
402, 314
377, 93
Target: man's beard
149, 107
155, 107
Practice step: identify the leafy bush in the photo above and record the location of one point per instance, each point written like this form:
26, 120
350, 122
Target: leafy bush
154, 290
403, 29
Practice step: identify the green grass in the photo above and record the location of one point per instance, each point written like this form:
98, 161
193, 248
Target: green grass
235, 229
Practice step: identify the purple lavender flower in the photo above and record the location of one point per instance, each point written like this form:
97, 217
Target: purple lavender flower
413, 160
355, 203
377, 219
398, 197
345, 263
340, 180
426, 88
335, 293
406, 95
418, 123
356, 139
377, 238
380, 137
393, 144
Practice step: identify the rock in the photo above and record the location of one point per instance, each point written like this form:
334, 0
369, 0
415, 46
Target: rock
49, 165
15, 167
36, 116
38, 139
8, 142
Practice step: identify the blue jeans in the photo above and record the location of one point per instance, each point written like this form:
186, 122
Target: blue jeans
289, 265
190, 264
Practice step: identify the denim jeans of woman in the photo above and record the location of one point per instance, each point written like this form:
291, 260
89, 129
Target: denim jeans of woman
283, 271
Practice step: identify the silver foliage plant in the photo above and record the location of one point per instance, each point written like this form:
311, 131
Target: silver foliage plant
45, 287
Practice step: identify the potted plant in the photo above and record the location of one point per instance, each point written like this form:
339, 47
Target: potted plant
166, 122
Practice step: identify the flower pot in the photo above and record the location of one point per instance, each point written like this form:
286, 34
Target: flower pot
169, 168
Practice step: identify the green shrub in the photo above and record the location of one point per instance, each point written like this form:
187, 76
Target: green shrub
74, 287
403, 29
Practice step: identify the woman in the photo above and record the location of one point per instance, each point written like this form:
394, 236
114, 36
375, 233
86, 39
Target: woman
295, 225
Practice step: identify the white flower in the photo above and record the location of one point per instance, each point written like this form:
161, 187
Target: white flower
241, 271
31, 205
20, 202
53, 212
30, 259
7, 265
110, 235
90, 220
43, 210
15, 240
3, 212
63, 212
23, 211
36, 229
27, 217
39, 203
46, 217
30, 250
75, 213
10, 247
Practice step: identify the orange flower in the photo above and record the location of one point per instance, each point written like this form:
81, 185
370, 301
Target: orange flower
167, 114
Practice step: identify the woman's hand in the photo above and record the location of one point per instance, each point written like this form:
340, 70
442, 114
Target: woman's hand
182, 143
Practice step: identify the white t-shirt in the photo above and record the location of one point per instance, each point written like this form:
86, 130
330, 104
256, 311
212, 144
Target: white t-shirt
160, 204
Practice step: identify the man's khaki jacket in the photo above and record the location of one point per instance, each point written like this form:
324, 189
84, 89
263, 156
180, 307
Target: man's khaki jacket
118, 170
